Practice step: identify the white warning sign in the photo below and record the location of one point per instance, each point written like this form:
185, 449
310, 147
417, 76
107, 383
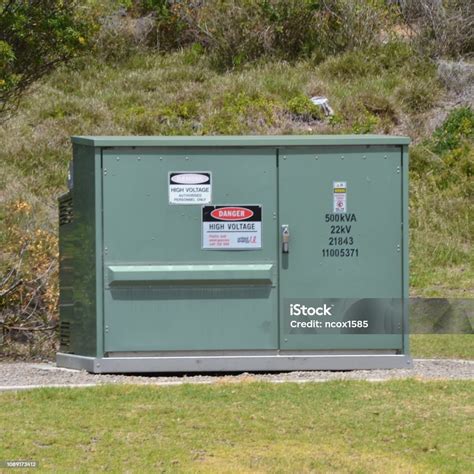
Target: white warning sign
340, 196
231, 227
189, 187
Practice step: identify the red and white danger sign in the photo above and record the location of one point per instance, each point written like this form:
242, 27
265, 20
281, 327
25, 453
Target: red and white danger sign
232, 227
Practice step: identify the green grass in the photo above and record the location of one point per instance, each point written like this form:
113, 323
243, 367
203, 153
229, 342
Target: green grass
398, 426
179, 94
442, 346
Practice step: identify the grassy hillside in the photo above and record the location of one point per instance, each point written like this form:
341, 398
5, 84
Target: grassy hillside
385, 88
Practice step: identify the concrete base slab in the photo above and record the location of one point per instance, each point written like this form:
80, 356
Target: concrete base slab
233, 363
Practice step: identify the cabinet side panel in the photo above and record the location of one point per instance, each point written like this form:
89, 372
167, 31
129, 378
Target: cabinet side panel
78, 259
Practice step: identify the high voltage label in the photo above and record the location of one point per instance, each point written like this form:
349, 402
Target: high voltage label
189, 187
232, 227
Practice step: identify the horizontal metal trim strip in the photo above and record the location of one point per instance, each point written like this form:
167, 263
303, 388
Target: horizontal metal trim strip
193, 273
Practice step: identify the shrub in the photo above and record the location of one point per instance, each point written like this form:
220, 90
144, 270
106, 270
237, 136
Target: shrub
418, 95
441, 28
376, 59
241, 113
34, 38
301, 107
457, 76
350, 65
379, 106
29, 289
356, 24
441, 193
238, 31
448, 156
170, 28
365, 123
234, 32
458, 127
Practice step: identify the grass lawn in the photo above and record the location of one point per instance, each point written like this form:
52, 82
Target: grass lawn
397, 426
442, 346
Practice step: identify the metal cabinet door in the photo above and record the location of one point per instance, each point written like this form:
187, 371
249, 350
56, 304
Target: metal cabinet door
163, 291
348, 264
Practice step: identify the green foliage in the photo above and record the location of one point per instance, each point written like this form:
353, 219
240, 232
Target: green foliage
240, 113
349, 65
363, 110
194, 54
458, 127
303, 108
365, 124
169, 120
34, 38
376, 59
369, 111
442, 215
450, 151
379, 106
375, 85
147, 6
171, 27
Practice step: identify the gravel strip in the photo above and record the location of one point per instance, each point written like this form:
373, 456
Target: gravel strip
20, 375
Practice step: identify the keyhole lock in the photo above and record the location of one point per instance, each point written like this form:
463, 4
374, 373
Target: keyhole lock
285, 238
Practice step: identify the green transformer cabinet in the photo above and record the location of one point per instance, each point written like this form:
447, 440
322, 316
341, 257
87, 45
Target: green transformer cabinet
250, 253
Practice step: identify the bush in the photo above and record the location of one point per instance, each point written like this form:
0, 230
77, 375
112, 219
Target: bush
350, 65
441, 211
141, 24
441, 28
29, 288
457, 76
418, 95
35, 38
241, 113
448, 156
457, 128
379, 106
373, 60
301, 107
234, 32
238, 31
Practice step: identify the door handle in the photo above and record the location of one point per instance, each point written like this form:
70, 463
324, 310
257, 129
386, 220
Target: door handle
285, 238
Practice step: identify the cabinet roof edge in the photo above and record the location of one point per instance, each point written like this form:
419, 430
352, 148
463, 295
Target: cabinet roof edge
238, 141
